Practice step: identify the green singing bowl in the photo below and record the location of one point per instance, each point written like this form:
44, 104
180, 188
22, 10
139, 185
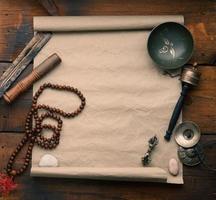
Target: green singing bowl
170, 45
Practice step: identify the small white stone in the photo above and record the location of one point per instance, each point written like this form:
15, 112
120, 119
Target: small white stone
173, 167
48, 161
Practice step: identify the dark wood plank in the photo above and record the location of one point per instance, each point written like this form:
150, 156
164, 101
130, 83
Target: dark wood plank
12, 116
16, 26
197, 181
16, 23
200, 107
200, 18
49, 6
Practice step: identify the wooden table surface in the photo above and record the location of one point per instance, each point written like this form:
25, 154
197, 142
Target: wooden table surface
16, 30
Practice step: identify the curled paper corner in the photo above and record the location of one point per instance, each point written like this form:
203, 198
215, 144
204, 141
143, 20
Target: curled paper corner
48, 160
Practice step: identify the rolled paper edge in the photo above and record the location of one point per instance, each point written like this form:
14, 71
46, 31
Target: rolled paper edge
148, 174
101, 23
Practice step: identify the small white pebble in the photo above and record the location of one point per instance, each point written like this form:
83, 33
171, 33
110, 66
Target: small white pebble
48, 161
173, 167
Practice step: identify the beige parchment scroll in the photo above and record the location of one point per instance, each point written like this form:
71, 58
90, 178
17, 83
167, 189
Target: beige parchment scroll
128, 99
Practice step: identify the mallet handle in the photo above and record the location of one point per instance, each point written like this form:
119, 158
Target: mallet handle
47, 65
176, 112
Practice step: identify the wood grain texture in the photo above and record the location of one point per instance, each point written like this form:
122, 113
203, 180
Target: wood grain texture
200, 105
197, 181
16, 22
16, 26
12, 117
16, 31
49, 6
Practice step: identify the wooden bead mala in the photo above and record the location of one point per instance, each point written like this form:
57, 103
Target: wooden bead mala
34, 134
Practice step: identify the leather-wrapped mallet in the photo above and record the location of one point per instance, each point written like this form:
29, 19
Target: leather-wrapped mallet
189, 77
47, 65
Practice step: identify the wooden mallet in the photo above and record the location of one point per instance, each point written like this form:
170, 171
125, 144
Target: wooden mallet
47, 65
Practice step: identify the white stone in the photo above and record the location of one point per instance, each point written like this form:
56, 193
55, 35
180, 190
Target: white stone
173, 167
48, 161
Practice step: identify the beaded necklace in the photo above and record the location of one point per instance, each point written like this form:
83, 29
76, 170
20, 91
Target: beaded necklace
33, 135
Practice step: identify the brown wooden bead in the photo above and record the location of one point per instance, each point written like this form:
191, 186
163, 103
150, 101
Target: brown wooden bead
12, 157
29, 151
9, 165
31, 145
13, 173
35, 134
28, 155
8, 170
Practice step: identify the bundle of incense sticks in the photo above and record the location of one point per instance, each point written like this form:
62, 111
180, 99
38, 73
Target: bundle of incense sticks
23, 60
